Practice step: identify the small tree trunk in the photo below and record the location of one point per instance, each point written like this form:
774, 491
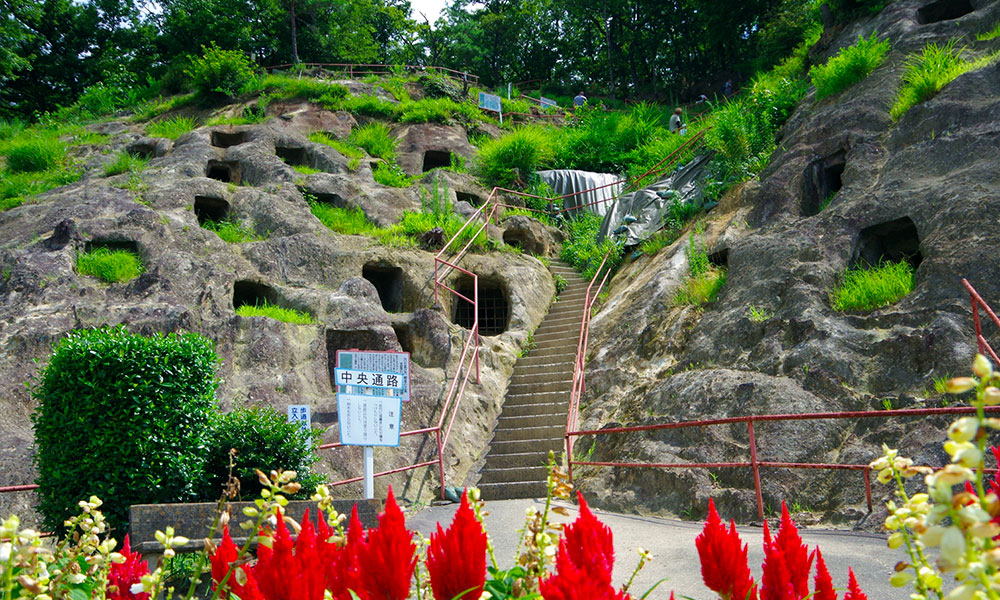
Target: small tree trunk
295, 41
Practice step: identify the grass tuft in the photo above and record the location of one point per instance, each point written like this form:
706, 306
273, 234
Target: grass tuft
344, 148
849, 66
517, 154
928, 72
376, 140
868, 289
231, 231
171, 128
125, 163
113, 266
992, 34
31, 155
349, 221
287, 315
705, 279
389, 173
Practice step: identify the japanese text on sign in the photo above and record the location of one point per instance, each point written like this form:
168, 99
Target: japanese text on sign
369, 420
347, 377
489, 102
300, 413
373, 363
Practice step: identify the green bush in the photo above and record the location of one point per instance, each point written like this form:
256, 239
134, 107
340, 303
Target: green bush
123, 417
582, 250
125, 163
376, 139
926, 73
704, 280
311, 89
278, 313
263, 439
11, 128
389, 173
113, 266
220, 73
849, 66
171, 128
431, 110
344, 148
525, 149
367, 105
349, 221
32, 154
870, 288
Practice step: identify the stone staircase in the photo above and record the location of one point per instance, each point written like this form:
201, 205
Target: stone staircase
533, 420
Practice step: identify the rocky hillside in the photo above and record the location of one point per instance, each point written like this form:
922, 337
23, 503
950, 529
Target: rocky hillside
359, 293
924, 188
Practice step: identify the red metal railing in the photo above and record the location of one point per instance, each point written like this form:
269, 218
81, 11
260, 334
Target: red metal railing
362, 70
977, 301
755, 464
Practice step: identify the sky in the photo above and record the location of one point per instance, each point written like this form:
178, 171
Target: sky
431, 8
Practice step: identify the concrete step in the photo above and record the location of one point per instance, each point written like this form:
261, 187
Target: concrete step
561, 320
564, 334
527, 446
512, 461
513, 474
545, 353
545, 432
522, 387
548, 369
538, 408
549, 329
509, 491
537, 420
535, 358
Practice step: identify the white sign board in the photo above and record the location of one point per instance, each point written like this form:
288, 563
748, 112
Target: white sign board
369, 420
301, 414
489, 102
547, 101
348, 377
374, 362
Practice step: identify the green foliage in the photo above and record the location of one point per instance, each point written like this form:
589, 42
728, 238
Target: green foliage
113, 266
376, 140
349, 221
346, 149
10, 128
704, 279
125, 163
171, 128
608, 142
849, 66
438, 110
220, 73
582, 250
844, 10
123, 417
389, 173
307, 170
866, 289
367, 104
263, 439
521, 152
314, 90
926, 73
232, 232
560, 283
27, 154
157, 106
540, 216
272, 311
992, 34
758, 314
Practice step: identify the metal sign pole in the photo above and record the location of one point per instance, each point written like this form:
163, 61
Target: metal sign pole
369, 472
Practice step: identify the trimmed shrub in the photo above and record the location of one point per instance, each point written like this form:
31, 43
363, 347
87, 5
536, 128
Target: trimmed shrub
113, 266
123, 417
220, 73
34, 154
875, 287
263, 439
849, 66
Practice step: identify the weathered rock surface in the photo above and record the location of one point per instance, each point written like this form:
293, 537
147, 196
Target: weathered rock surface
361, 294
924, 187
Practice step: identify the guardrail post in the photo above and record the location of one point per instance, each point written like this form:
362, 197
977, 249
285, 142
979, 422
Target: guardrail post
756, 469
569, 458
868, 488
440, 460
979, 327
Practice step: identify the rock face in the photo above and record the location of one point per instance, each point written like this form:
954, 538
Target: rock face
924, 187
360, 294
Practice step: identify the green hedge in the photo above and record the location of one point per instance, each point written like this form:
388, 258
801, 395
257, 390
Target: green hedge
123, 417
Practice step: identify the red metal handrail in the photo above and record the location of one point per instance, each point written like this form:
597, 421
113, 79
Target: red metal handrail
354, 69
977, 302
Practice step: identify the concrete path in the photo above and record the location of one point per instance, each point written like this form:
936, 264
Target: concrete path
672, 544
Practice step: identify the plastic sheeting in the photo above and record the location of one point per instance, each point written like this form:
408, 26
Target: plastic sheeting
568, 181
649, 206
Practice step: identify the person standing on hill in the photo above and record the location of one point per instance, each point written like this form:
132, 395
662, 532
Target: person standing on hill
676, 124
579, 100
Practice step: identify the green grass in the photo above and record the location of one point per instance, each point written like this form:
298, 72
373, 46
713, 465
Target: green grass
851, 65
36, 161
10, 128
538, 216
349, 221
867, 289
344, 148
758, 314
271, 311
701, 289
581, 249
113, 266
659, 240
231, 231
307, 170
929, 71
171, 128
158, 106
992, 34
517, 154
315, 90
376, 140
125, 163
389, 173
27, 154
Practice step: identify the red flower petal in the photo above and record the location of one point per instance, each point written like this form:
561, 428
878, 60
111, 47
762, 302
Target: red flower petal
853, 591
456, 558
823, 581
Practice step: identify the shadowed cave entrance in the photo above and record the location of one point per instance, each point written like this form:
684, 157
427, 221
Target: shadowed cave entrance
472, 199
224, 171
434, 159
388, 280
354, 339
821, 180
494, 307
943, 10
113, 245
210, 208
253, 293
890, 241
225, 139
295, 157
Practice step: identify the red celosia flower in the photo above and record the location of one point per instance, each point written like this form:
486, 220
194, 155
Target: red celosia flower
388, 557
123, 576
456, 558
588, 544
798, 559
340, 563
224, 556
776, 579
853, 591
573, 583
823, 581
723, 557
289, 570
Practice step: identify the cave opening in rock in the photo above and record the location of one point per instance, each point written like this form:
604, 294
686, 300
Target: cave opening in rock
890, 241
354, 339
434, 159
292, 156
403, 335
516, 238
113, 245
821, 181
253, 293
472, 199
388, 281
225, 139
210, 208
143, 151
325, 198
494, 307
720, 258
943, 10
226, 172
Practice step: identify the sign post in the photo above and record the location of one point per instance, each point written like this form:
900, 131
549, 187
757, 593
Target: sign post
371, 387
491, 103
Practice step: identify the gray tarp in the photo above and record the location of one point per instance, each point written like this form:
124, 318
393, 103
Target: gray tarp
649, 208
567, 181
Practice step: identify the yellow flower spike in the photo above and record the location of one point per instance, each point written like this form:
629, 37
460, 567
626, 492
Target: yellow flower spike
991, 396
964, 429
951, 475
180, 540
959, 385
930, 578
962, 592
900, 578
896, 540
982, 367
892, 523
987, 530
880, 463
884, 476
952, 545
969, 456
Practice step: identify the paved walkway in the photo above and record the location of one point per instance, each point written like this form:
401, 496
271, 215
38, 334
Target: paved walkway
672, 544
